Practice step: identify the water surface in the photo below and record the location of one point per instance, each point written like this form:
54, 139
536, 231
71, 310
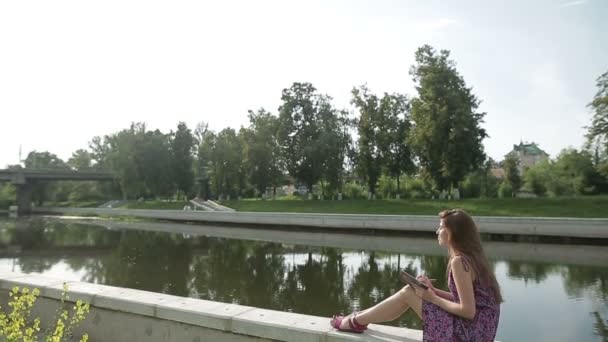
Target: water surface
552, 292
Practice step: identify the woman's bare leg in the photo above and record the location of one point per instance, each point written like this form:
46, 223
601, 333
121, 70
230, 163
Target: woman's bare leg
390, 308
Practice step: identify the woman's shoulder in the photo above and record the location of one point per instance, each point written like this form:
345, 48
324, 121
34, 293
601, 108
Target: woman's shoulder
460, 263
457, 259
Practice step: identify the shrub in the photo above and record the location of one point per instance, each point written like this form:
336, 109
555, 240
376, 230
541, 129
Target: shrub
353, 190
470, 187
505, 190
535, 180
387, 187
17, 326
416, 188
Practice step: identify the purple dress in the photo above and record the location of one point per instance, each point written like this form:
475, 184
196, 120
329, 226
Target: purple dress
440, 325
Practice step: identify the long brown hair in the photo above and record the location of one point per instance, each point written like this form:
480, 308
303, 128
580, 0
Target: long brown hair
464, 238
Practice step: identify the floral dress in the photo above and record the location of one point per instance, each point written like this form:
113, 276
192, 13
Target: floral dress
440, 325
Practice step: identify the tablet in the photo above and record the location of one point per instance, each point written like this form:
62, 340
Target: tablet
411, 280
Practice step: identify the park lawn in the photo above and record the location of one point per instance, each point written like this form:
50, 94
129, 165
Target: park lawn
163, 205
75, 204
581, 206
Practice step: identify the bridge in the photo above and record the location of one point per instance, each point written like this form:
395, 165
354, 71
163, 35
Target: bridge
25, 178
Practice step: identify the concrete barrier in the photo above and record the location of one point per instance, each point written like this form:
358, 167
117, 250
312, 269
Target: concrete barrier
532, 226
120, 314
521, 251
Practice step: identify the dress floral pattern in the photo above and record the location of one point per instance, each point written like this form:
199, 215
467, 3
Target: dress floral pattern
440, 325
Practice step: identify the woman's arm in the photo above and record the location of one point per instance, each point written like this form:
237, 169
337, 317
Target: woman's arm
440, 293
464, 286
444, 294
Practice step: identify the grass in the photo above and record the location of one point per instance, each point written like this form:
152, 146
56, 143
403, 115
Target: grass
581, 206
163, 205
75, 204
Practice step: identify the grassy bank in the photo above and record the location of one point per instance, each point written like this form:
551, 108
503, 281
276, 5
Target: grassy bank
582, 206
74, 204
163, 205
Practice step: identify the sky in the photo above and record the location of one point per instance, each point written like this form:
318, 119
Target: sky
72, 70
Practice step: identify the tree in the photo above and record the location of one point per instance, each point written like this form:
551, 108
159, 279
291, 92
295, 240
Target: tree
206, 159
446, 135
81, 160
100, 154
369, 127
44, 160
262, 150
394, 145
121, 152
577, 169
599, 105
335, 141
181, 148
512, 173
598, 131
228, 158
299, 133
538, 179
156, 158
42, 190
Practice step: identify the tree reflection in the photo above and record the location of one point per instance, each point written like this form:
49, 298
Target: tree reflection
600, 326
149, 261
435, 267
535, 272
309, 280
578, 279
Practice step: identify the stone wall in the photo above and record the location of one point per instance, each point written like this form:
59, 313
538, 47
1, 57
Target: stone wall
120, 314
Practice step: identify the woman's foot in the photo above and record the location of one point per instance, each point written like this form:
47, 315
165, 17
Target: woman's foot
348, 323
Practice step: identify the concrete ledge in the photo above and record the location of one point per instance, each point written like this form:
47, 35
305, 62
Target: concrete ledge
534, 226
121, 314
523, 251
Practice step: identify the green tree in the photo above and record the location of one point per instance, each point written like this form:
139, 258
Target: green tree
537, 178
44, 160
446, 135
181, 147
81, 160
156, 159
228, 159
369, 127
100, 153
207, 157
262, 150
299, 133
42, 190
576, 168
333, 144
397, 153
512, 173
599, 105
120, 151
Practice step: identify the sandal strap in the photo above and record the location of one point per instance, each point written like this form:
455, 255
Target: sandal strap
356, 323
354, 327
352, 324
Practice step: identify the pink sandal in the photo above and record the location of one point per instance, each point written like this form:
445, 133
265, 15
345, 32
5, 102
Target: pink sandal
354, 326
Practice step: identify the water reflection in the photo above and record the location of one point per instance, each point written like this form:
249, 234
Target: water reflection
319, 280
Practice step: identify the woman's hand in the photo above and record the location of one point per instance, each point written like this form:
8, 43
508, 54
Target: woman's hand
428, 294
426, 281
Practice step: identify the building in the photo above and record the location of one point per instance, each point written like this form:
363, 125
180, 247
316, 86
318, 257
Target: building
527, 155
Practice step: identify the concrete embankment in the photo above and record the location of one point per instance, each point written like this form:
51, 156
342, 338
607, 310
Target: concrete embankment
121, 314
521, 251
529, 226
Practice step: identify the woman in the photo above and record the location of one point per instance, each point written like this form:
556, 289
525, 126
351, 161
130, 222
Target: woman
468, 312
